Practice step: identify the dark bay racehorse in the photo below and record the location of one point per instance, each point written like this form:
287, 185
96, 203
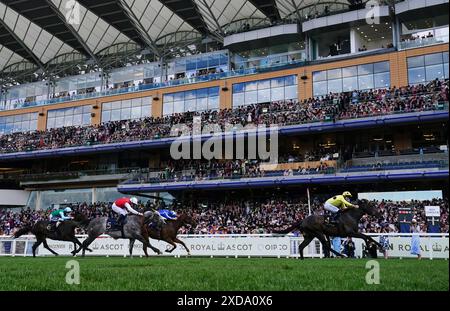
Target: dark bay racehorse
315, 227
169, 232
65, 232
134, 229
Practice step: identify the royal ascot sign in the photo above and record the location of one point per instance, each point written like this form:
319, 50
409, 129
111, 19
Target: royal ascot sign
432, 246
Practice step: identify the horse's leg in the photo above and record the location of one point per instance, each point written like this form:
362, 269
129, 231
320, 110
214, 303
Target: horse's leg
35, 246
364, 237
47, 247
174, 246
86, 244
177, 240
147, 244
302, 246
132, 241
327, 237
76, 243
323, 240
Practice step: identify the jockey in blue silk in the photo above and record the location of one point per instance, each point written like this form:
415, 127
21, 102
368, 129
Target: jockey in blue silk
167, 214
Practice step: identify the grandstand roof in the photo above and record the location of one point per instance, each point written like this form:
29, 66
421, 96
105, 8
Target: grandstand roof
39, 32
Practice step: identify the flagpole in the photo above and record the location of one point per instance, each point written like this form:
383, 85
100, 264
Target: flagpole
309, 201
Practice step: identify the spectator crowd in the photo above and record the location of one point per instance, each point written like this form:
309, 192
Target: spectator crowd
332, 107
241, 216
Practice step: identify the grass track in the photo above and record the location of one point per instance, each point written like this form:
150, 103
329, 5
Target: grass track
170, 274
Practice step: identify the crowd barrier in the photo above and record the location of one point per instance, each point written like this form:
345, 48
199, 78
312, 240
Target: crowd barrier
433, 246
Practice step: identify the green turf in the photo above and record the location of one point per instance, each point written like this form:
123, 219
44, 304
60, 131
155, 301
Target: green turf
170, 274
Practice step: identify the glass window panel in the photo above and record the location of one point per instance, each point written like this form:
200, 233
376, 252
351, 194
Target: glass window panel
382, 80
202, 93
238, 88
126, 103
116, 105
178, 107
78, 119
34, 116
319, 76
59, 122
168, 109
24, 126
251, 86
107, 106
68, 112
264, 96
277, 94
137, 102
78, 110
263, 84
446, 70
26, 117
87, 119
33, 125
190, 95
365, 82
191, 105
277, 82
251, 98
126, 114
214, 91
320, 88
238, 99
202, 62
106, 116
433, 59
60, 113
418, 61
202, 104
334, 74
168, 98
290, 80
350, 71
178, 96
445, 57
115, 115
291, 92
381, 67
365, 69
335, 86
416, 75
434, 72
136, 113
214, 103
349, 84
146, 111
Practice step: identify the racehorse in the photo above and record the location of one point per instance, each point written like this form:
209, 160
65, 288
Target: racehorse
65, 232
168, 233
347, 226
134, 229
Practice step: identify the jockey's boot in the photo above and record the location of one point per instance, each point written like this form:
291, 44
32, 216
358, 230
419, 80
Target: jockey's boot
121, 223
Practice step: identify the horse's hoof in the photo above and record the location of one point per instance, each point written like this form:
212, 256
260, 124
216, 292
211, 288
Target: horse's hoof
168, 252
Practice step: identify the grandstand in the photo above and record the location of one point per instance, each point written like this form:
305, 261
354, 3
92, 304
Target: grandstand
91, 92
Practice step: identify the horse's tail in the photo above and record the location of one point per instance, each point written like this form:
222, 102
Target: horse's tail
295, 226
22, 231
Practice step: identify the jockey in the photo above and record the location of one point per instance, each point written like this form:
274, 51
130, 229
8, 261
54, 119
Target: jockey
60, 215
124, 206
167, 214
339, 203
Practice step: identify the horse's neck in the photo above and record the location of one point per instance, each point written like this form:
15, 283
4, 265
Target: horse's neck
178, 223
356, 214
